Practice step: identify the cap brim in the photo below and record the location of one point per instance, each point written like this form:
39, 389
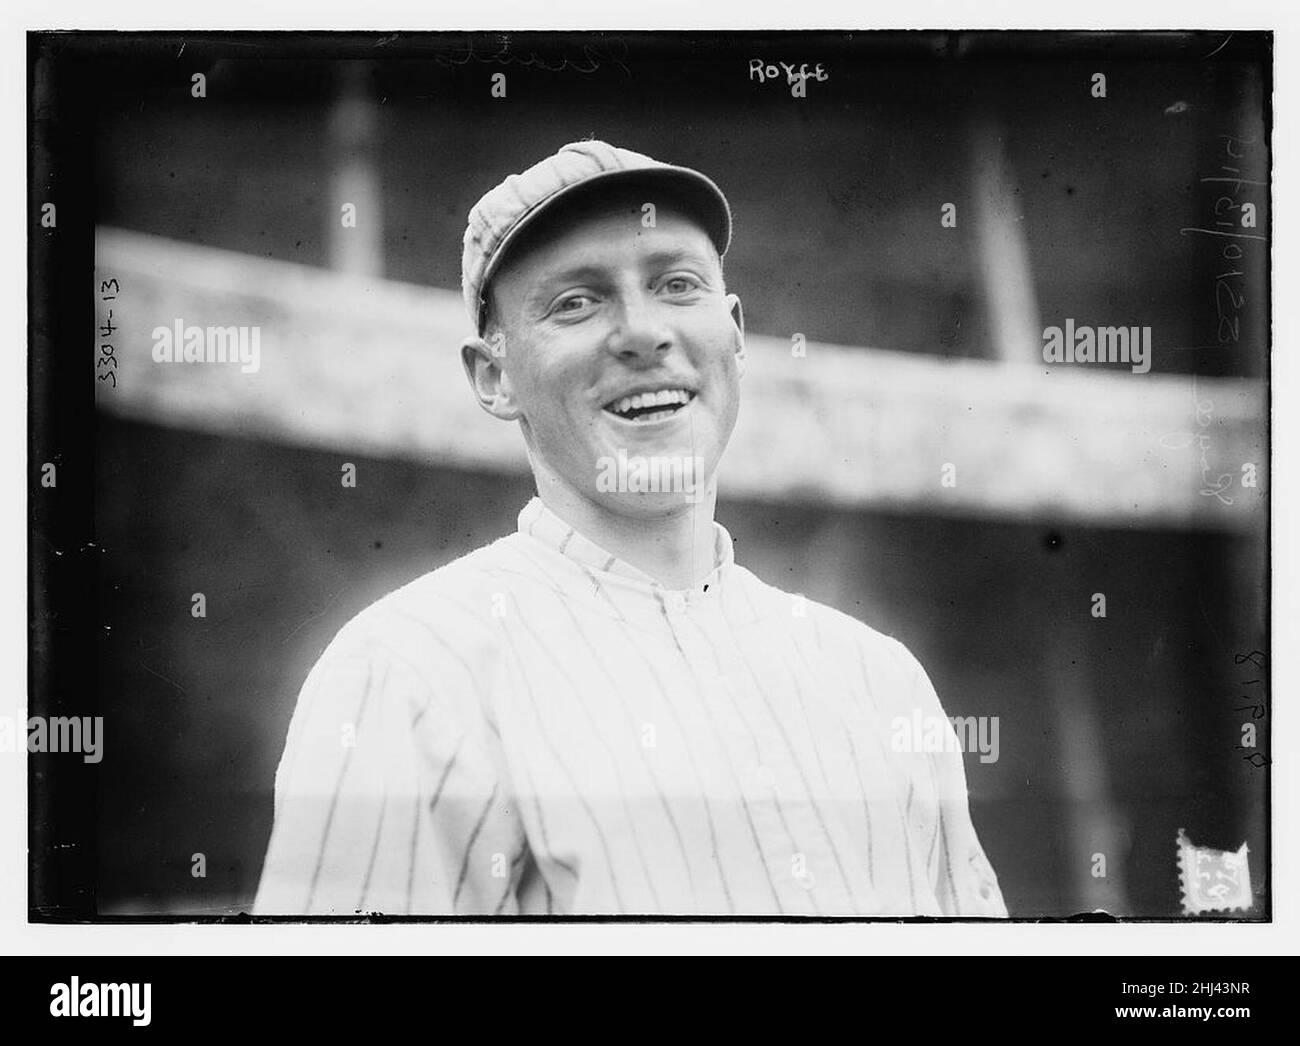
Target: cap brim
697, 192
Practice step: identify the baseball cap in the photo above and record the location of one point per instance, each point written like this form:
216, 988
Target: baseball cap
504, 212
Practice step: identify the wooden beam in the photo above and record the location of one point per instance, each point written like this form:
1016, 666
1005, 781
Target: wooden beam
370, 367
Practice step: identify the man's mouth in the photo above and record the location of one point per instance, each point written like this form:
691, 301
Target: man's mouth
650, 406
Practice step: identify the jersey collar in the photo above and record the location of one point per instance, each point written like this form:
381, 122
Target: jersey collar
539, 522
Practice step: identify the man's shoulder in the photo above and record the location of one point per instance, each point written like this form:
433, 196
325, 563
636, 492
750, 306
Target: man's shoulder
449, 608
428, 648
833, 629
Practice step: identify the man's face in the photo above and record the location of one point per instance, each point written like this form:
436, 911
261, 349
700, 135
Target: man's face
619, 341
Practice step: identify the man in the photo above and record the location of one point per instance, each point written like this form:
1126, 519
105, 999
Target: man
604, 712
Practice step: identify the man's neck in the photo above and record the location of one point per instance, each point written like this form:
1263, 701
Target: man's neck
678, 549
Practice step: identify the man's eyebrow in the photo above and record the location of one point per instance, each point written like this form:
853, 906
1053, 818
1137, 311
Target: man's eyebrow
586, 272
575, 274
537, 292
676, 254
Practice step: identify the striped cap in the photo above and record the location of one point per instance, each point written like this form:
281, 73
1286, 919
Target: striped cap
496, 221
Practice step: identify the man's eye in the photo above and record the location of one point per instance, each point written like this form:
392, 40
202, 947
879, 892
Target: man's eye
573, 303
680, 284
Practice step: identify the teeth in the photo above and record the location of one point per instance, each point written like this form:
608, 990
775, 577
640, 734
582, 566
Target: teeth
642, 400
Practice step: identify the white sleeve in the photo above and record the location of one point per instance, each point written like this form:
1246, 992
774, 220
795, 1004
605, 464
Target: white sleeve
963, 880
385, 800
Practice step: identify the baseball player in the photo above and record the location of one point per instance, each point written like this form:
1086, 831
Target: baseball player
603, 712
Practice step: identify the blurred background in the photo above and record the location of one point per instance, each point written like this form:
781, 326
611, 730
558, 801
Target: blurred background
921, 348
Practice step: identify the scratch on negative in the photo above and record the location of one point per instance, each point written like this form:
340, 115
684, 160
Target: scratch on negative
1221, 46
311, 617
161, 676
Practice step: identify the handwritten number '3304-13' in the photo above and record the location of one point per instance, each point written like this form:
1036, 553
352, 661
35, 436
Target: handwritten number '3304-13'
106, 362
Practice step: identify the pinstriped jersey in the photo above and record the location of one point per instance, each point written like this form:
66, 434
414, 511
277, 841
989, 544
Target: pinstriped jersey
540, 728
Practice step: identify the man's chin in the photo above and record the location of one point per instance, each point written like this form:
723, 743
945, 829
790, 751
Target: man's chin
652, 470
651, 504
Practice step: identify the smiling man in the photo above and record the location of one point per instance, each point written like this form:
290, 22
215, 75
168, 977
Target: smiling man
604, 713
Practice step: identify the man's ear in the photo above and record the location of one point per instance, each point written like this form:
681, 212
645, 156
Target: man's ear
484, 366
738, 319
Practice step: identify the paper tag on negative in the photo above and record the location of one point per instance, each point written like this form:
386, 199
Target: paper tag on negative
1213, 880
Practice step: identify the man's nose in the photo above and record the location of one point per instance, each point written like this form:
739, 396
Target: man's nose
640, 332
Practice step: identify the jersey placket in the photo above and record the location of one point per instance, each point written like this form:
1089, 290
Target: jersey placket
794, 849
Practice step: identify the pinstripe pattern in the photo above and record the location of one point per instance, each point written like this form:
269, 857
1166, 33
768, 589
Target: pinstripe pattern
543, 729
